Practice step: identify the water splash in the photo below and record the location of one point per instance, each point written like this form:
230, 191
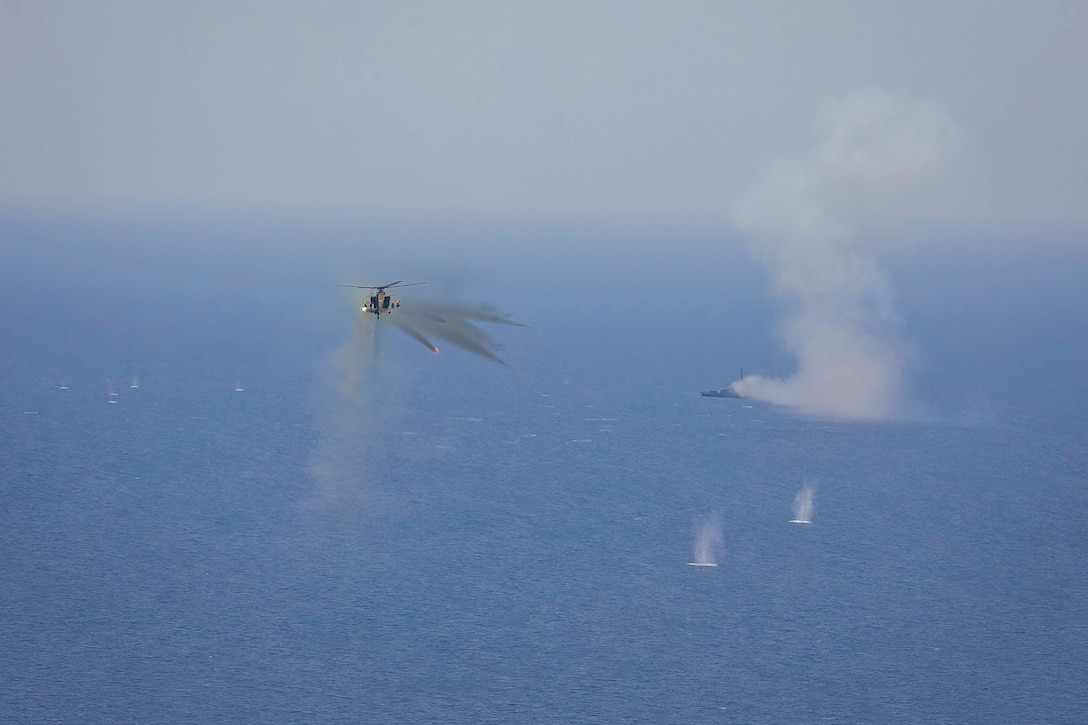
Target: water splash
708, 541
802, 504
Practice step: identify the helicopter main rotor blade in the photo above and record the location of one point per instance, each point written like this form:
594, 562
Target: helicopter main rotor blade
383, 287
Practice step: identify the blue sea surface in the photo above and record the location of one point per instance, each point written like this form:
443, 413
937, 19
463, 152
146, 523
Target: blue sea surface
446, 539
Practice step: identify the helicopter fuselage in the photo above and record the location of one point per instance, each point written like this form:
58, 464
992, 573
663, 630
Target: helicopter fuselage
381, 304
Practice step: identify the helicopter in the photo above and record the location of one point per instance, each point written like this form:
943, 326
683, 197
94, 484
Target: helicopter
381, 303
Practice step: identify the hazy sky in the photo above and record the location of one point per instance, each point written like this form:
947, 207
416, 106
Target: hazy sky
555, 109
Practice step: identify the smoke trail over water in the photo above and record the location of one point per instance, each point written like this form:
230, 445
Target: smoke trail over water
349, 460
799, 220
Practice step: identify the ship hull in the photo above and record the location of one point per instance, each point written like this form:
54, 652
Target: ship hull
723, 393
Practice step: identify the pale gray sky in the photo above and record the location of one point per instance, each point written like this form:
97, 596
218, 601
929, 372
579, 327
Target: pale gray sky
554, 109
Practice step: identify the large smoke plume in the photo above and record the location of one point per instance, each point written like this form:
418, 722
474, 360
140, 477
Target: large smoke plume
799, 220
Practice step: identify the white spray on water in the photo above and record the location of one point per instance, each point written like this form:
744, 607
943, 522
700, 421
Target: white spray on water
708, 541
802, 504
799, 220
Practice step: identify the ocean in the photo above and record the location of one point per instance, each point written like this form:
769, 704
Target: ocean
271, 529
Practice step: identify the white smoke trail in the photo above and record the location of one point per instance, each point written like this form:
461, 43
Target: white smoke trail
799, 220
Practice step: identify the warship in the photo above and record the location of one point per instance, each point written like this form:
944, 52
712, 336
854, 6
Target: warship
729, 392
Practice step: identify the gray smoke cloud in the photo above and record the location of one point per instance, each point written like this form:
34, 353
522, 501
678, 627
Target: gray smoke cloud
799, 220
455, 324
